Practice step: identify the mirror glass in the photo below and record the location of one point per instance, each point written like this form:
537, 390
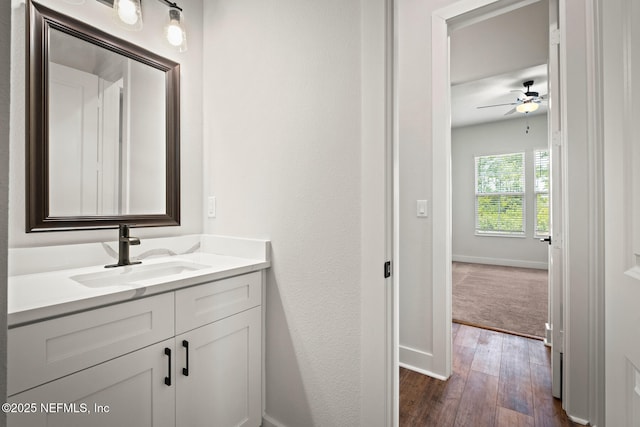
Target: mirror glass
106, 151
103, 140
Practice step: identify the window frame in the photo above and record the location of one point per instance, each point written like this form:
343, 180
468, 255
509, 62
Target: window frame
522, 194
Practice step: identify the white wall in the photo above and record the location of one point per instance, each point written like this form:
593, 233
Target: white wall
151, 37
282, 116
507, 136
414, 131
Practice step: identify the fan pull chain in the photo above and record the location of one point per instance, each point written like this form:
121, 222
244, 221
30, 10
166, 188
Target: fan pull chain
526, 131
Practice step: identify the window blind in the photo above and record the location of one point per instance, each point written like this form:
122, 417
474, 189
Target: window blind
500, 186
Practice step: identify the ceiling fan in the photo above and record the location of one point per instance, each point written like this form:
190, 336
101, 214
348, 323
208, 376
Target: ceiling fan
528, 102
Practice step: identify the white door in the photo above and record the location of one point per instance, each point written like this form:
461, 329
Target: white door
621, 65
219, 373
126, 391
555, 328
73, 141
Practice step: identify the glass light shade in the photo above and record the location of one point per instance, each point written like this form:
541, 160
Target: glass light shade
174, 30
527, 107
129, 14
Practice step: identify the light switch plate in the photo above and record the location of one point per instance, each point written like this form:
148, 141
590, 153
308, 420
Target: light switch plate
211, 207
421, 209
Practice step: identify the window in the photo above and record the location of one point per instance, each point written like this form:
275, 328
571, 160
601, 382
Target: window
500, 194
541, 189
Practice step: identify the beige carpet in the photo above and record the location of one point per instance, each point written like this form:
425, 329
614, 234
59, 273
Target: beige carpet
506, 298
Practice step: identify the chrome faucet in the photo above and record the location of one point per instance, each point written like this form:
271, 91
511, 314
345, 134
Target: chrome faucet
124, 241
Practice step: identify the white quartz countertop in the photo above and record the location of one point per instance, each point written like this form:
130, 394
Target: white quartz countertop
38, 296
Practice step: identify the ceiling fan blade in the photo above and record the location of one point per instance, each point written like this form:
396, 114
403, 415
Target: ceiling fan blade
513, 110
498, 105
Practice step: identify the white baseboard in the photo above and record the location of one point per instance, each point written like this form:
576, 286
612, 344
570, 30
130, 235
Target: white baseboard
578, 420
418, 361
501, 261
268, 421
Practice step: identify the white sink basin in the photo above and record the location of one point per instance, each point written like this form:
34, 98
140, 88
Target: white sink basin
131, 274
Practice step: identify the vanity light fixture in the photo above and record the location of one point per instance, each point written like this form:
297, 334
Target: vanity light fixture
129, 14
174, 30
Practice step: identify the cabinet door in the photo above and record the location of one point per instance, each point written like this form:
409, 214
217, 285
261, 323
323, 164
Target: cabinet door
126, 391
223, 386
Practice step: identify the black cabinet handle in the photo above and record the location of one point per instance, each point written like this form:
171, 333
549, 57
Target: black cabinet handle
167, 352
546, 239
185, 371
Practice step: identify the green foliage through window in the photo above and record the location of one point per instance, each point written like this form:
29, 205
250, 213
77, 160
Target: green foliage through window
541, 166
500, 184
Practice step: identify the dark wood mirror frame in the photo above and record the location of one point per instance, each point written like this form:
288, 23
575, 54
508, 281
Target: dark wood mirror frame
40, 20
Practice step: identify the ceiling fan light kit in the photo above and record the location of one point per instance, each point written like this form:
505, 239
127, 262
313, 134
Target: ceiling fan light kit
527, 107
527, 103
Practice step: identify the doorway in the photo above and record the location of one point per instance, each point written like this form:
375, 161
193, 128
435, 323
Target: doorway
436, 355
459, 19
500, 168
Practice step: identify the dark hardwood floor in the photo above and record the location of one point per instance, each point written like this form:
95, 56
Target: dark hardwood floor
498, 380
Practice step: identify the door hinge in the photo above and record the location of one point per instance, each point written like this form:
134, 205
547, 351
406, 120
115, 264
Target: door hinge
557, 241
554, 37
387, 269
560, 345
556, 138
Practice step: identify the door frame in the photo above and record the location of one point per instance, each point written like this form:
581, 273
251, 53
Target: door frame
590, 337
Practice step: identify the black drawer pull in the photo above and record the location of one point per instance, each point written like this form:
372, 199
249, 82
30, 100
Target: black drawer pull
185, 371
167, 352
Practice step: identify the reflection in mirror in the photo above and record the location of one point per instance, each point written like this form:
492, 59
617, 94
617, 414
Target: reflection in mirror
103, 119
104, 158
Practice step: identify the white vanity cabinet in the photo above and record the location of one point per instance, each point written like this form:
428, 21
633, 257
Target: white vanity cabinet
190, 357
126, 391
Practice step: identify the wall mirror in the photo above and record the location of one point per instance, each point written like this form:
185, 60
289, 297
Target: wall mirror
103, 129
